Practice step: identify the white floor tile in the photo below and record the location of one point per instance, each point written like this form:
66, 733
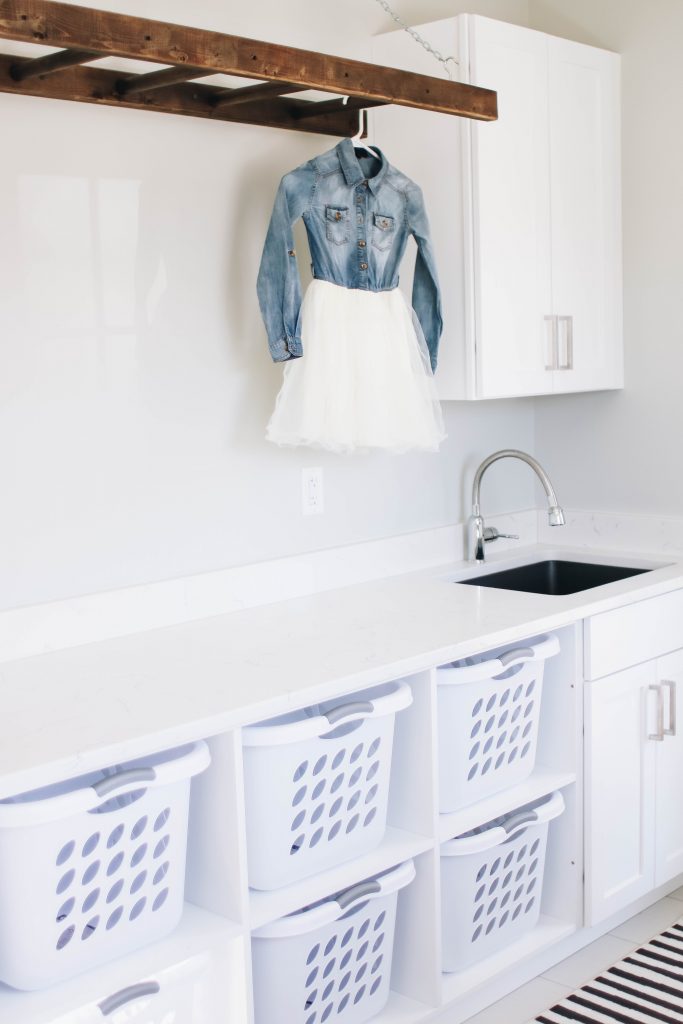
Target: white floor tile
520, 1006
655, 919
677, 894
576, 970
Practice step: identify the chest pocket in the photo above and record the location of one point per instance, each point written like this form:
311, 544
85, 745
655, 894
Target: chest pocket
338, 224
382, 231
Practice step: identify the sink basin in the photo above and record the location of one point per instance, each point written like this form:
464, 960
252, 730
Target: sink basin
554, 576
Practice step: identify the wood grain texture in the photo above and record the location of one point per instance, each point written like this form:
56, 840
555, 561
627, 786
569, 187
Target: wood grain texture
65, 25
95, 85
50, 63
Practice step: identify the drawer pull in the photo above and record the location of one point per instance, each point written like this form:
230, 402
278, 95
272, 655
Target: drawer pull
671, 685
128, 995
659, 735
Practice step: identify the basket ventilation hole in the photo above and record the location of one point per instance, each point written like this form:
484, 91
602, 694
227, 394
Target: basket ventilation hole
66, 937
529, 906
372, 770
516, 713
494, 867
377, 964
380, 921
503, 919
90, 927
317, 813
300, 772
375, 985
359, 994
354, 777
334, 831
517, 911
311, 977
378, 942
115, 864
504, 698
115, 891
530, 688
478, 912
491, 702
65, 881
312, 1019
352, 824
535, 846
518, 693
337, 783
369, 817
355, 753
490, 926
480, 892
343, 1004
527, 729
336, 807
138, 828
161, 873
477, 708
90, 900
327, 991
319, 764
475, 729
330, 945
114, 918
477, 933
528, 710
138, 855
503, 719
139, 907
160, 899
298, 796
360, 972
162, 819
329, 967
354, 800
346, 979
138, 882
313, 954
347, 938
344, 961
487, 746
298, 821
327, 1011
316, 837
318, 789
362, 951
374, 747
512, 755
90, 844
338, 758
161, 846
115, 836
500, 760
65, 853
296, 845
474, 751
472, 772
65, 909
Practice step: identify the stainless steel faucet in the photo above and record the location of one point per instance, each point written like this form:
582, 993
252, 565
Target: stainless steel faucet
477, 533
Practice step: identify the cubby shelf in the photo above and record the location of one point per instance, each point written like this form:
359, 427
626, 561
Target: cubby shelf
213, 943
547, 932
396, 847
542, 782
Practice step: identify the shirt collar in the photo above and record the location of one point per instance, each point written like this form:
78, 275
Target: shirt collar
352, 170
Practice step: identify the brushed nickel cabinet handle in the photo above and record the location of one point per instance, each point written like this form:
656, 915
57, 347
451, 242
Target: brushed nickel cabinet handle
671, 686
566, 328
550, 342
659, 735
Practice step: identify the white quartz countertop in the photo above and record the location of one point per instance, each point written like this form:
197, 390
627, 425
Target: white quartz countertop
72, 710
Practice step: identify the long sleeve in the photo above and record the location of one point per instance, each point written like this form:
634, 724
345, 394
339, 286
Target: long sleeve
426, 296
279, 284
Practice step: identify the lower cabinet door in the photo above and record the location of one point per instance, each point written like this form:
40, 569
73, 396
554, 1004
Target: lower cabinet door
620, 780
669, 804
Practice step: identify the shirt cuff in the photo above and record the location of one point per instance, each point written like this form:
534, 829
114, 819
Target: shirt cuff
286, 348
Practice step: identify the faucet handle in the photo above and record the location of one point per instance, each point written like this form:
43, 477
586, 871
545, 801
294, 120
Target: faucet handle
493, 533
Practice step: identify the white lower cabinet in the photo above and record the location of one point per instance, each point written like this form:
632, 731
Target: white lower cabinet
634, 814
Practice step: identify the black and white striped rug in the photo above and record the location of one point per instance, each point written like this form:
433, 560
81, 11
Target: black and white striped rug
646, 987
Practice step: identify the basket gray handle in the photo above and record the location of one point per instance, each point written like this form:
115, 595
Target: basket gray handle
128, 995
113, 782
356, 892
358, 707
517, 654
523, 818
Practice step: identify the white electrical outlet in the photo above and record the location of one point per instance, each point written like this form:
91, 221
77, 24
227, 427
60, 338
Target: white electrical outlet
312, 496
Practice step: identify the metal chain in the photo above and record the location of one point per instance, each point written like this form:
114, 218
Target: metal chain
418, 38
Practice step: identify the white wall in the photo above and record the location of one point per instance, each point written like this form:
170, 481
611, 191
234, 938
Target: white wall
135, 382
621, 452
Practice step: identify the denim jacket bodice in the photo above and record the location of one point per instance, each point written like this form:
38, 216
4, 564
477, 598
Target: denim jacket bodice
359, 214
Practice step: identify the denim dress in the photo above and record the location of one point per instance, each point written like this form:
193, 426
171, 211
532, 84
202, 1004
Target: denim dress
366, 377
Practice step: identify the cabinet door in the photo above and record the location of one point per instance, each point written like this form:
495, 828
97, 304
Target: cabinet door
669, 806
620, 777
511, 212
583, 85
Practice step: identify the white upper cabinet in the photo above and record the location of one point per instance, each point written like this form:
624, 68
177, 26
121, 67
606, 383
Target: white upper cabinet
525, 212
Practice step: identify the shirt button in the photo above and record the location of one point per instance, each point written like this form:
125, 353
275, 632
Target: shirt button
362, 244
363, 266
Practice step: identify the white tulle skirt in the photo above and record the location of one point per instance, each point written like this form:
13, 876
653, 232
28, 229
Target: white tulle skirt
364, 381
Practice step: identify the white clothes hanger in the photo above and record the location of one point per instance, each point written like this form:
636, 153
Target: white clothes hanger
357, 140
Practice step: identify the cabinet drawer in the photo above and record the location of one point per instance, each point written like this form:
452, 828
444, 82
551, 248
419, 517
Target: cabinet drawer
632, 635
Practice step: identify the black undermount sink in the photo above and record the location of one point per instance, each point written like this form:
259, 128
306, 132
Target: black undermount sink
554, 576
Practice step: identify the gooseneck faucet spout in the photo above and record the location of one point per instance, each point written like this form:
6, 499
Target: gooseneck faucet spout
478, 533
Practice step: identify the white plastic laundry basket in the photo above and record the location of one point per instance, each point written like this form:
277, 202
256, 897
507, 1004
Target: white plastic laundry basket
491, 882
317, 784
332, 961
93, 867
489, 708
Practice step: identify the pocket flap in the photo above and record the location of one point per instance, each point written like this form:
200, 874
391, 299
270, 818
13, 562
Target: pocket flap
383, 223
337, 213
